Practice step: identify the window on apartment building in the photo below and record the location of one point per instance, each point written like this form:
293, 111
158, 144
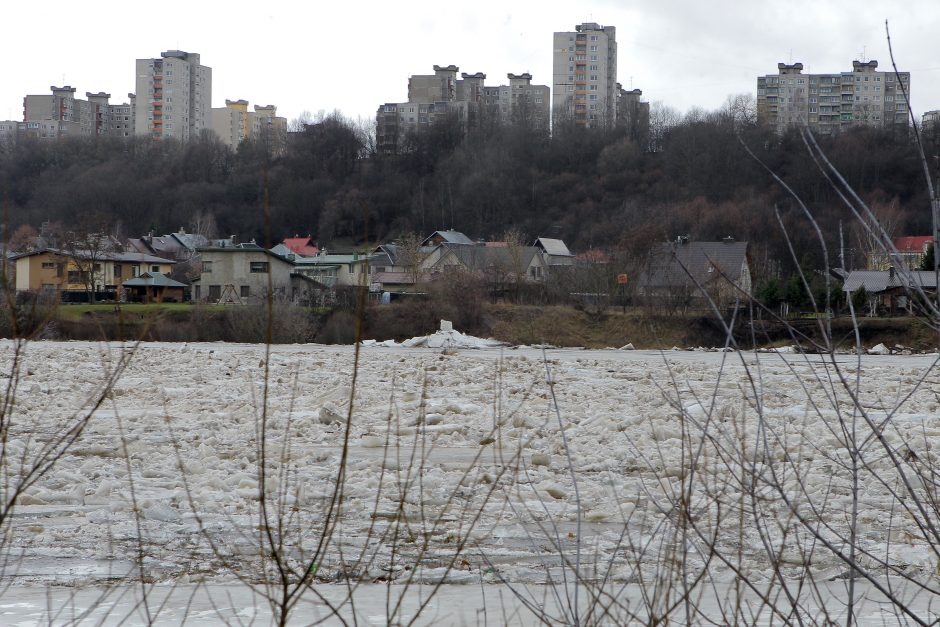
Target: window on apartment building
215, 292
258, 267
245, 291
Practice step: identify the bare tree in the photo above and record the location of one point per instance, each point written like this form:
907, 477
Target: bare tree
662, 119
86, 249
410, 255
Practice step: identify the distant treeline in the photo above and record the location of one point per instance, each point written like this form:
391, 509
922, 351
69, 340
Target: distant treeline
594, 188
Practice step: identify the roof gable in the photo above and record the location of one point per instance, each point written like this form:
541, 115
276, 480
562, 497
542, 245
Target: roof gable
554, 247
685, 264
302, 246
913, 244
446, 237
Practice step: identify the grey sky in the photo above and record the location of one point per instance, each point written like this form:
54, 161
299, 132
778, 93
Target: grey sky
354, 56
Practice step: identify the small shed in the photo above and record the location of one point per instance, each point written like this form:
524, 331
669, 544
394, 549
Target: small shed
154, 287
891, 289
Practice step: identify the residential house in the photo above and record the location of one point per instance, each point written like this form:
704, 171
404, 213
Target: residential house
334, 270
242, 274
686, 273
890, 290
499, 266
179, 246
910, 253
397, 269
73, 275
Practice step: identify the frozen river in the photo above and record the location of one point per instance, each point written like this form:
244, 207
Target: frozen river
666, 483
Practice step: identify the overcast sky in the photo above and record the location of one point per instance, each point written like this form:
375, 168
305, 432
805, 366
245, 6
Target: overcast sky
353, 56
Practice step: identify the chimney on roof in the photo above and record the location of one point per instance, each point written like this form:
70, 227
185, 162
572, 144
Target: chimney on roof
890, 272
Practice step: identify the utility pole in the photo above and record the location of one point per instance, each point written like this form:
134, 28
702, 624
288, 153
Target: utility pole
841, 248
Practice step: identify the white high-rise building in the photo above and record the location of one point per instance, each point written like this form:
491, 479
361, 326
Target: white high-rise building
584, 75
174, 96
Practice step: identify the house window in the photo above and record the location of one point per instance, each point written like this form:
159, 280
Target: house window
155, 268
258, 267
48, 265
77, 276
215, 292
117, 271
197, 292
245, 291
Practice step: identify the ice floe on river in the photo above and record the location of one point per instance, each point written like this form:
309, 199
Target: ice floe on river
465, 449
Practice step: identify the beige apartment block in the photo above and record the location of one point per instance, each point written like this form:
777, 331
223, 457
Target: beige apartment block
174, 96
829, 103
234, 123
584, 75
467, 100
230, 122
61, 114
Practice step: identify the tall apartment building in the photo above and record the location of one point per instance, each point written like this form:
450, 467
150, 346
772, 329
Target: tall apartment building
467, 99
584, 75
230, 122
929, 121
829, 103
520, 100
174, 96
61, 114
234, 123
633, 113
